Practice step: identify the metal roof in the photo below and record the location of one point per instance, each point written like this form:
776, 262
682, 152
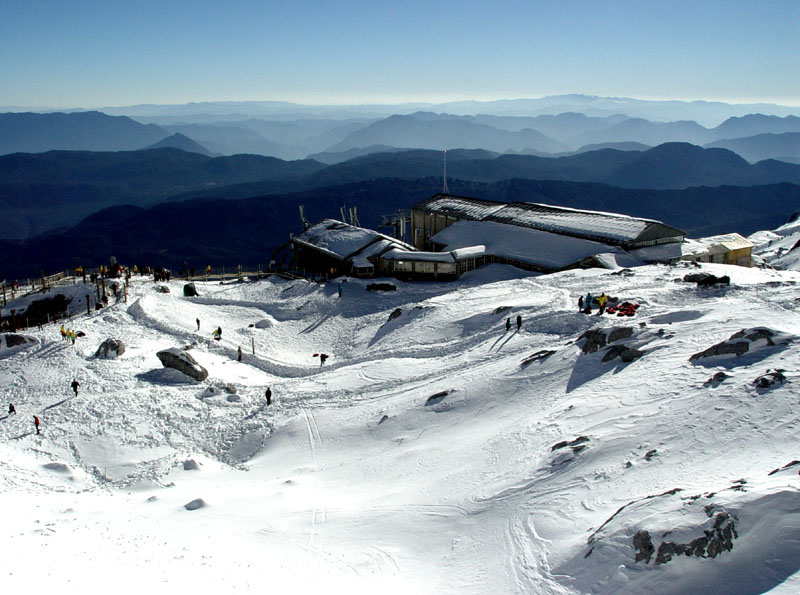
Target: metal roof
461, 207
340, 240
586, 224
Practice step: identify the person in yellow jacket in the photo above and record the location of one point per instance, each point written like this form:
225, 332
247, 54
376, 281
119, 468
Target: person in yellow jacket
602, 301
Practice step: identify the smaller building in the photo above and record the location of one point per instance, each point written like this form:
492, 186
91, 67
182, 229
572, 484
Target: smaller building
440, 266
730, 248
334, 248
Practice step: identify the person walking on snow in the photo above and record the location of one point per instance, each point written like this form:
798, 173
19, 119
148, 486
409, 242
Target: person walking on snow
239, 354
75, 384
197, 320
268, 394
580, 303
519, 321
508, 324
322, 358
36, 423
11, 409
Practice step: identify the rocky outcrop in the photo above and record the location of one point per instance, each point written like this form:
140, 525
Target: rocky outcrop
707, 279
770, 379
595, 339
13, 340
742, 342
189, 290
183, 362
623, 352
110, 349
715, 541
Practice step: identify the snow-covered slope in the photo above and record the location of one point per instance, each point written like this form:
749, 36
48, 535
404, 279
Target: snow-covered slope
434, 451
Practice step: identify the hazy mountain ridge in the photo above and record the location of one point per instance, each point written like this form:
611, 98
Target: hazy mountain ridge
40, 191
83, 131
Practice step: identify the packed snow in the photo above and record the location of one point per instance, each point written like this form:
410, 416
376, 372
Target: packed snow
435, 451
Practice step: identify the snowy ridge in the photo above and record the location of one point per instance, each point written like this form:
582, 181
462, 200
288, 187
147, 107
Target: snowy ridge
434, 451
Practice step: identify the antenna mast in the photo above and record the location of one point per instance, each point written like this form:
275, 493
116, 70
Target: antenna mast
444, 185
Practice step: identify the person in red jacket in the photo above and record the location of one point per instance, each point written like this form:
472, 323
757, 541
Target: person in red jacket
36, 423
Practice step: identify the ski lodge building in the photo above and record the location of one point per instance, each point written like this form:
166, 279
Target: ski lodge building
454, 234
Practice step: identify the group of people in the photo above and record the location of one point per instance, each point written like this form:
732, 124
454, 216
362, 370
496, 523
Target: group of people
519, 323
585, 303
68, 334
13, 411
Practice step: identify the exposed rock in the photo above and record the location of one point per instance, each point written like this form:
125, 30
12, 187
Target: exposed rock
715, 541
14, 340
716, 379
162, 289
234, 399
501, 309
396, 314
770, 379
183, 362
595, 339
643, 546
740, 343
573, 443
650, 454
110, 349
264, 323
625, 353
229, 388
786, 466
706, 279
195, 504
191, 465
538, 356
434, 399
189, 290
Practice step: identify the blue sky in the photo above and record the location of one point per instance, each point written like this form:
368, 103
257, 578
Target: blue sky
109, 53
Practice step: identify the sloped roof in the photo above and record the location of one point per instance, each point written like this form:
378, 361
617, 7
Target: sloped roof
340, 240
590, 224
461, 207
539, 248
612, 228
448, 256
729, 241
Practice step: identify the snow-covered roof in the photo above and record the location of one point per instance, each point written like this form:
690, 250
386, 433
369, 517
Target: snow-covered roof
593, 225
362, 259
536, 247
340, 240
596, 224
728, 241
419, 256
461, 207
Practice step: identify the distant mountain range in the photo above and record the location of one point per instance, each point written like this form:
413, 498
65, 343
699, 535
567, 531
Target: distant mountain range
82, 131
707, 113
40, 192
250, 231
337, 140
44, 191
182, 142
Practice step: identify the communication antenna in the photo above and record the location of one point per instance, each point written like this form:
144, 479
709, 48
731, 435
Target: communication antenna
444, 186
354, 217
306, 224
341, 212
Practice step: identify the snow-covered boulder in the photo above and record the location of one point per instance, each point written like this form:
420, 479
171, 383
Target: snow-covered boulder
183, 362
11, 342
745, 341
189, 290
110, 349
595, 339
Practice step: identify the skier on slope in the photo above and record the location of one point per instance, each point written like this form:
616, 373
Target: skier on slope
75, 384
